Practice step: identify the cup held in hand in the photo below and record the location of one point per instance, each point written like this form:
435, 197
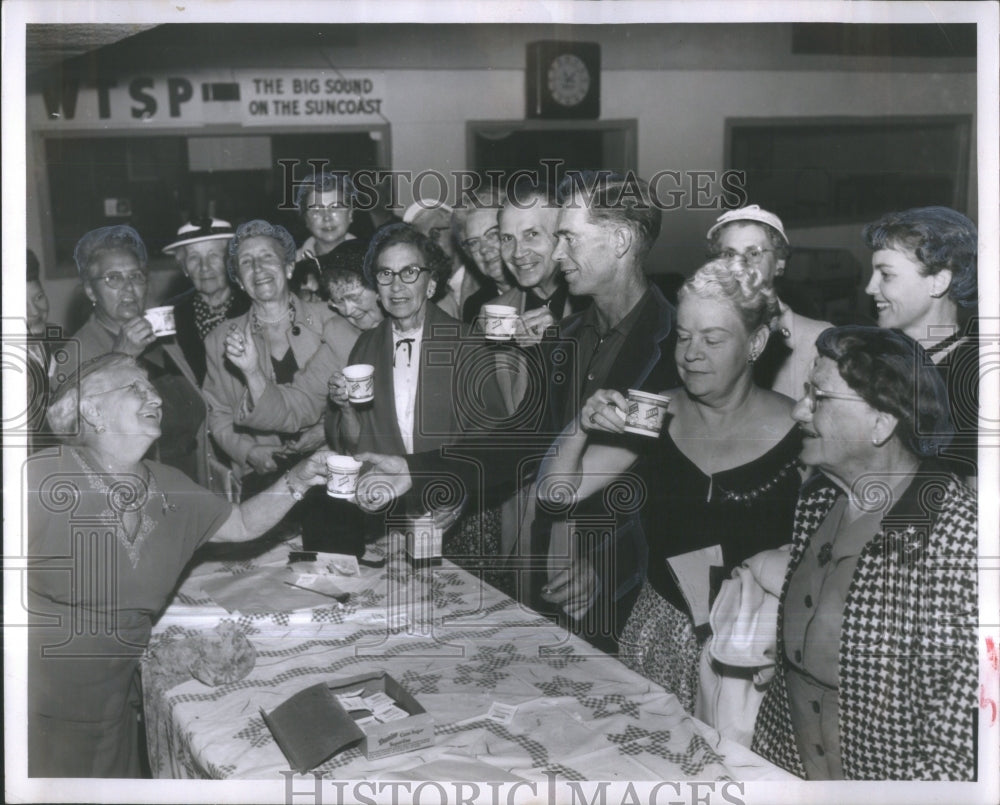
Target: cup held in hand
499, 322
645, 413
162, 319
342, 476
360, 379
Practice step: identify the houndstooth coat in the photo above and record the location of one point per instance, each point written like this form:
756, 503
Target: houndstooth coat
908, 646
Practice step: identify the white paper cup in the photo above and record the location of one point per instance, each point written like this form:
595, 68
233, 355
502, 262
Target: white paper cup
360, 382
423, 538
342, 476
499, 322
645, 413
162, 319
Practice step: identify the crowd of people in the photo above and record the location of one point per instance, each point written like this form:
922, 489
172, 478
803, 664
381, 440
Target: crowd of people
846, 454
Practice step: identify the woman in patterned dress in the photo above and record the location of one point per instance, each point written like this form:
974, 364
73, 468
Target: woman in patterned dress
876, 661
720, 483
109, 535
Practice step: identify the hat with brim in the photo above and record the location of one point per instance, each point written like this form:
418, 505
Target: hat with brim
419, 205
753, 214
198, 230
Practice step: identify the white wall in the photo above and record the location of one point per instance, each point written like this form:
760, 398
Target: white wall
681, 126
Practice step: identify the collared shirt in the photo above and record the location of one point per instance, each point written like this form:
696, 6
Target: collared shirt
597, 352
405, 373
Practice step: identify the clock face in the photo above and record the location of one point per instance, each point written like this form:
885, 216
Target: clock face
569, 79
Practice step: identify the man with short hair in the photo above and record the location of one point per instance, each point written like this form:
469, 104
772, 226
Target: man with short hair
605, 229
200, 250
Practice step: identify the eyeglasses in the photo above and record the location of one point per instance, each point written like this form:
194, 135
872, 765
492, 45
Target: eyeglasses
116, 280
751, 256
144, 390
408, 274
319, 210
813, 395
491, 236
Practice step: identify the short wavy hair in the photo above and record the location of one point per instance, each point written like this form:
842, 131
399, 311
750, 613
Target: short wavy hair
617, 200
434, 258
259, 229
938, 238
754, 300
324, 182
63, 413
118, 238
894, 374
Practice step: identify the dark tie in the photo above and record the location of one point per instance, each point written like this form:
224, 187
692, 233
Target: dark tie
408, 343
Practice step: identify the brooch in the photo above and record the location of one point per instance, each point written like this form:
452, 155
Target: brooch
825, 553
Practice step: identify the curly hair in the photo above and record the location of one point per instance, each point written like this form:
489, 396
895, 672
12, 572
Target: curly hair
754, 300
894, 374
434, 259
938, 238
63, 414
118, 238
346, 263
323, 183
259, 229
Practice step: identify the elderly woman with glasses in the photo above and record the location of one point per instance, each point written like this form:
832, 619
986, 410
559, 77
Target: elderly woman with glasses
477, 230
109, 535
924, 282
415, 406
876, 656
750, 237
113, 267
270, 343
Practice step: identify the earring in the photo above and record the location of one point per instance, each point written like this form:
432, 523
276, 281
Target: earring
752, 357
100, 429
875, 440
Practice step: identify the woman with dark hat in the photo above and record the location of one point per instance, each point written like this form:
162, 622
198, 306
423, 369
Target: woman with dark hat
200, 250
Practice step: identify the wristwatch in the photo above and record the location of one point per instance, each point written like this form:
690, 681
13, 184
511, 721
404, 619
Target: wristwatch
298, 494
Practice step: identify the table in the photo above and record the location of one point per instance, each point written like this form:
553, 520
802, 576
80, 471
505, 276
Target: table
457, 645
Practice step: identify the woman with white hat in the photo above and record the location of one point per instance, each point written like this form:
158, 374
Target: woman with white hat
756, 238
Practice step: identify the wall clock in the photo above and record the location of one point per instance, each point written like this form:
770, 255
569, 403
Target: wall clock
563, 80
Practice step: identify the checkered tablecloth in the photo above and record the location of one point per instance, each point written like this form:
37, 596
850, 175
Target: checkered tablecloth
457, 645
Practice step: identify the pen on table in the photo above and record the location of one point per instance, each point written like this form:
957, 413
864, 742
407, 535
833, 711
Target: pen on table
341, 598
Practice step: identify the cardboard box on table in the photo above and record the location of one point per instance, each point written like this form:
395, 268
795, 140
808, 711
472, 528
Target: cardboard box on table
312, 726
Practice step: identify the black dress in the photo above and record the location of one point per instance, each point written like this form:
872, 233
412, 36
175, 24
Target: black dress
744, 510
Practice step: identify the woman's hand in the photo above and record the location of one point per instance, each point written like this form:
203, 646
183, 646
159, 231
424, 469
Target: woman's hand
573, 587
310, 439
337, 391
241, 349
261, 459
133, 338
604, 411
532, 325
387, 480
311, 471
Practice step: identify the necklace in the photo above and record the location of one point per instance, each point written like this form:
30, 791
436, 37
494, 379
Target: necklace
290, 315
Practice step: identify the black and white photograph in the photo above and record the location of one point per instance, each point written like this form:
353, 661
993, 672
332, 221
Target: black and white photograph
567, 402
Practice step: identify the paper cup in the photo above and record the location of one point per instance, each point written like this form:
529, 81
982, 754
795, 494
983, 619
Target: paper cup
342, 476
360, 382
162, 319
646, 412
499, 322
423, 538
